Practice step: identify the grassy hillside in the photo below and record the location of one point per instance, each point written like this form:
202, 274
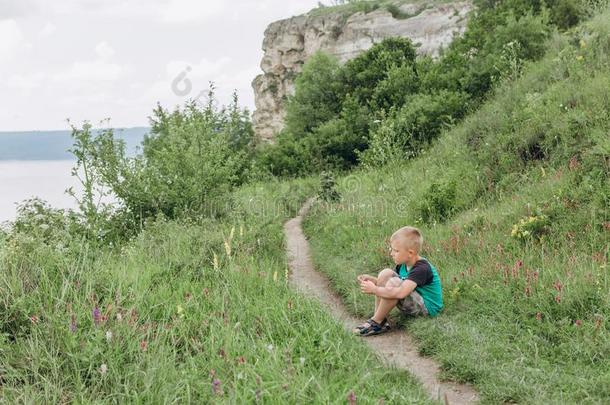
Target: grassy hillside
513, 205
189, 311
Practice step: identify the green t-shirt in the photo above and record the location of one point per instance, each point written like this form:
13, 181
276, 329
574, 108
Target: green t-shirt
425, 275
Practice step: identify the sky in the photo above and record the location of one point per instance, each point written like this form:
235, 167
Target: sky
116, 59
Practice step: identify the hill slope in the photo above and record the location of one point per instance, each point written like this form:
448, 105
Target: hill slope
513, 205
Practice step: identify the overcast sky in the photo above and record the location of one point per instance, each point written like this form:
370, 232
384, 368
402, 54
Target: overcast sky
96, 59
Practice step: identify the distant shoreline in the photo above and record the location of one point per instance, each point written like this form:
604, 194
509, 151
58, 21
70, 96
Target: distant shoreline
53, 145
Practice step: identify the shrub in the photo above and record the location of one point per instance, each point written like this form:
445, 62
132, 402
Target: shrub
318, 95
438, 202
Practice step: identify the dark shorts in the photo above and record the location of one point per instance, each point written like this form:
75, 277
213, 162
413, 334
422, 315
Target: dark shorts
412, 304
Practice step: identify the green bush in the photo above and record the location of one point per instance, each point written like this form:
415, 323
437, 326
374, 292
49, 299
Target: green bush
318, 95
192, 157
437, 203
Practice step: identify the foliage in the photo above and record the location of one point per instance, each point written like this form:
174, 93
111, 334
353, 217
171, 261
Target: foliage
531, 227
328, 191
388, 82
533, 159
190, 160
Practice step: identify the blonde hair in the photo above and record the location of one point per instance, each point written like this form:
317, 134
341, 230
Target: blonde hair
411, 238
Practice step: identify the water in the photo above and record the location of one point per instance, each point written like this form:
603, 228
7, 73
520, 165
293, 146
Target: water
47, 179
38, 164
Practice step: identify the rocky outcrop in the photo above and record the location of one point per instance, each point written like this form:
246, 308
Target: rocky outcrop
289, 43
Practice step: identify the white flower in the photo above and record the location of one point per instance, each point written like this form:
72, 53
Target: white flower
103, 369
108, 336
302, 360
119, 317
270, 347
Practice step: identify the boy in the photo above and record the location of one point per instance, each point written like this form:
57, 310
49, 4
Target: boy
414, 286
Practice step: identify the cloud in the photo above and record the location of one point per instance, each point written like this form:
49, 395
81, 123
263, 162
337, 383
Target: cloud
182, 11
104, 50
15, 9
101, 69
26, 82
48, 30
11, 39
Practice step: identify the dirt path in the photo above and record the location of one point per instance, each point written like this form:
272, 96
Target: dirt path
310, 282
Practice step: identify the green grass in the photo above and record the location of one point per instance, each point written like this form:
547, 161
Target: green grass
368, 6
532, 333
180, 326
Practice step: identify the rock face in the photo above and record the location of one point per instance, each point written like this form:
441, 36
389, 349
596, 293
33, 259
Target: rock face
289, 43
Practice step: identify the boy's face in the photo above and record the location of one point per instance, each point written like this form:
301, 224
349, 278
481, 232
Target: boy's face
400, 254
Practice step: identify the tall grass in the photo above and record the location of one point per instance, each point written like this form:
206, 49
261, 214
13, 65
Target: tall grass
189, 311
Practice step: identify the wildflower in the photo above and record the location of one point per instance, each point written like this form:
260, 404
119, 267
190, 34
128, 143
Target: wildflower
103, 369
289, 305
206, 292
577, 322
215, 261
351, 398
222, 353
73, 324
302, 360
119, 317
180, 311
144, 345
216, 387
538, 316
241, 360
34, 319
97, 316
228, 247
557, 285
598, 322
108, 336
558, 299
270, 347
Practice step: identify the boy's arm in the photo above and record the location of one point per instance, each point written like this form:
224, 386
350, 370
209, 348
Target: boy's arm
393, 292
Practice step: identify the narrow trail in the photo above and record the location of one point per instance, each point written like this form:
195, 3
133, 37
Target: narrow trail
395, 348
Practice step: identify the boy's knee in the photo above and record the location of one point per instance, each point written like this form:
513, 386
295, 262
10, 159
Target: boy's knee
384, 276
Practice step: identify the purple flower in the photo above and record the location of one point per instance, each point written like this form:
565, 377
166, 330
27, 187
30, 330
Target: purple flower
216, 388
97, 316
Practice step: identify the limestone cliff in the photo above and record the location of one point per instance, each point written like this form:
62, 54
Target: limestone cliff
288, 43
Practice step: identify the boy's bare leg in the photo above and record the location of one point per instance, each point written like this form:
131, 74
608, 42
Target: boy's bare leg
385, 305
382, 279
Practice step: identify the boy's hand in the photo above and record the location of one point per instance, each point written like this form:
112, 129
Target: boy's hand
367, 287
365, 277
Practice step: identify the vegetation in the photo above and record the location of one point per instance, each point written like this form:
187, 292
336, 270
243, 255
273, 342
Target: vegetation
513, 204
330, 119
177, 292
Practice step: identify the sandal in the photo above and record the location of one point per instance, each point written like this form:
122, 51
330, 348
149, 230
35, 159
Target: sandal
370, 327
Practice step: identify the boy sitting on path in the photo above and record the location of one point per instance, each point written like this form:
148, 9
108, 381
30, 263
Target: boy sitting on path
413, 286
